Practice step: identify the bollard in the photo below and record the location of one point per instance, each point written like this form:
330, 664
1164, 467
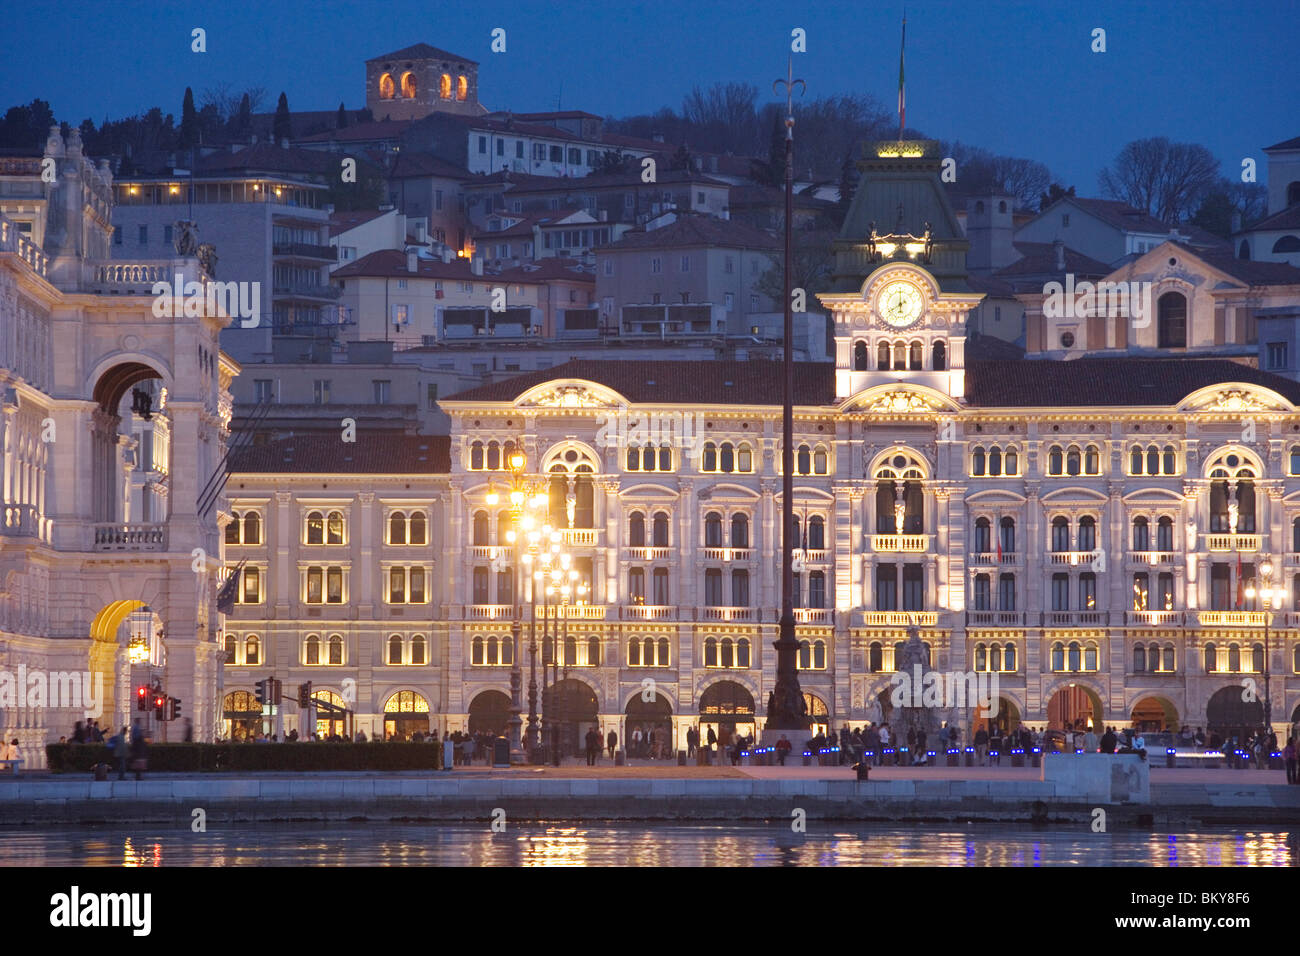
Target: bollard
970, 756
862, 768
448, 754
1017, 757
1038, 757
807, 759
1171, 757
681, 758
954, 756
899, 760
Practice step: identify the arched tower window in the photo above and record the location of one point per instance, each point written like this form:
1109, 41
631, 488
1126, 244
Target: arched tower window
859, 356
1171, 327
386, 86
408, 86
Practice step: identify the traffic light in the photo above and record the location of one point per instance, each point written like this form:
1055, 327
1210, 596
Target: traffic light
304, 694
277, 690
142, 699
263, 691
175, 708
160, 707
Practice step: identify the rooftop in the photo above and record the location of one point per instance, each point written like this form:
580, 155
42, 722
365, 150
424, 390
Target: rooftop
388, 454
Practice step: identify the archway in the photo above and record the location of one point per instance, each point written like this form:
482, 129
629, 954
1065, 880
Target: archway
1074, 707
242, 717
570, 709
1227, 715
332, 715
727, 709
1005, 721
106, 644
654, 719
489, 713
106, 452
405, 713
1154, 715
818, 715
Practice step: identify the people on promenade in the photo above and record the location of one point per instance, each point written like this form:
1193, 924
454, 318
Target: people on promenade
692, 741
593, 746
981, 745
1289, 758
995, 746
1090, 741
712, 740
783, 748
139, 749
873, 743
611, 741
1109, 741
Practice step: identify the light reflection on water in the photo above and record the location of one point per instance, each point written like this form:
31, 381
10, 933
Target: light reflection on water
564, 845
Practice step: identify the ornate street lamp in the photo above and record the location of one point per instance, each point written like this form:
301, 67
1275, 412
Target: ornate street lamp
1267, 595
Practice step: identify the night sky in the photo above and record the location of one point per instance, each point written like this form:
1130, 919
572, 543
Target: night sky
1015, 78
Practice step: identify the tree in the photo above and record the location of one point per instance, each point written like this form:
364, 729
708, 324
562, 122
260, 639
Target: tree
849, 177
242, 123
981, 171
27, 127
612, 161
1164, 179
189, 121
1228, 199
342, 121
1054, 193
726, 117
811, 260
282, 125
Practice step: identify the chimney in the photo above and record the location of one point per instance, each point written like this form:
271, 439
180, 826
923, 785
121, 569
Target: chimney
446, 255
412, 261
1236, 222
1058, 251
476, 266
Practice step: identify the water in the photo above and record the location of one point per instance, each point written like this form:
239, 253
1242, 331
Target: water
349, 844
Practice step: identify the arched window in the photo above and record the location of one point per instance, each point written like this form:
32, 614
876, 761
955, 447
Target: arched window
1165, 534
739, 531
1060, 534
659, 531
504, 526
1211, 658
476, 456
875, 657
859, 356
417, 649
417, 528
636, 530
1141, 534
462, 87
916, 356
1234, 657
940, 355
726, 657
900, 357
636, 585
711, 652
1073, 656
1171, 327
709, 461
1055, 461
1243, 251
1257, 658
386, 86
633, 652
252, 650
395, 649
742, 651
995, 657
633, 458
805, 655
816, 533
1009, 657
477, 655
803, 461
232, 529
1058, 656
444, 86
1007, 535
315, 528
977, 461
1287, 244
336, 649
995, 462
408, 86
1169, 460
1135, 461
819, 655
820, 461
713, 530
882, 357
981, 657
480, 529
1139, 658
727, 458
744, 459
983, 539
397, 528
1090, 657
252, 528
493, 456
334, 528
311, 652
1087, 533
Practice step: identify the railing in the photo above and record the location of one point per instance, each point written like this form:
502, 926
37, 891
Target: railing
903, 618
580, 612
1233, 542
814, 556
130, 537
487, 552
812, 615
1151, 557
1153, 617
726, 554
489, 612
995, 618
1072, 558
980, 558
1248, 618
305, 250
1291, 560
649, 612
138, 278
304, 291
579, 535
727, 614
11, 240
1073, 618
649, 554
19, 520
909, 543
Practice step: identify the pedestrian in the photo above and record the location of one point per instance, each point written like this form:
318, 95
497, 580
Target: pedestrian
1090, 742
872, 744
692, 741
1108, 741
981, 744
592, 739
636, 742
139, 749
1288, 756
921, 756
995, 747
713, 739
78, 733
783, 748
611, 741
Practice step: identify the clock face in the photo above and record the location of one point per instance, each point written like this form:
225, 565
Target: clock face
899, 304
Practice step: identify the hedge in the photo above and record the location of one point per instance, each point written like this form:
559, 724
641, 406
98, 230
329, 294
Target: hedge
203, 758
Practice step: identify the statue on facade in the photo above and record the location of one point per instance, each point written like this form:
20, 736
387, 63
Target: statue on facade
208, 259
900, 508
186, 238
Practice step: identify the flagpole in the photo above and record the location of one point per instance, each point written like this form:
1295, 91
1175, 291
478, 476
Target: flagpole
902, 100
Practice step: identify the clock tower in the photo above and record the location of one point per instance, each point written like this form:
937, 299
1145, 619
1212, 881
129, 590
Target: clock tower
901, 298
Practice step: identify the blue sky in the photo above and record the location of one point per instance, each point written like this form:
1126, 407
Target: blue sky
1014, 77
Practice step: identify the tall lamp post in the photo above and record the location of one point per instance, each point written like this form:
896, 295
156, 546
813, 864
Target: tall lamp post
785, 707
1267, 595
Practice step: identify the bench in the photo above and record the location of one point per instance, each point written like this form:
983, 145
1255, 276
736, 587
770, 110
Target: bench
16, 764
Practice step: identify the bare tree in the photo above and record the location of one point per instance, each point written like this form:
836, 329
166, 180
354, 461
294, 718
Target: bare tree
227, 99
1164, 179
979, 170
725, 115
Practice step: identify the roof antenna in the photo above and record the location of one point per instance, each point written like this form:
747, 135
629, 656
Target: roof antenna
559, 96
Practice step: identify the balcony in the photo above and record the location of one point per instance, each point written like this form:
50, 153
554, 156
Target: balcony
1074, 618
130, 537
649, 554
649, 612
580, 536
812, 615
992, 560
900, 618
489, 612
905, 543
19, 521
815, 556
1151, 558
726, 554
727, 614
301, 290
1233, 542
995, 618
1153, 618
305, 250
579, 612
137, 278
487, 552
1072, 558
1225, 618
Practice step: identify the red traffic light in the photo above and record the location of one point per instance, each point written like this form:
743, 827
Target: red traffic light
142, 691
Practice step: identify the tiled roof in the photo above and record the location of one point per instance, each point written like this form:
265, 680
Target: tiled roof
549, 268
379, 129
1284, 219
1246, 270
422, 51
1120, 215
600, 180
412, 163
1039, 259
990, 285
757, 382
341, 222
387, 454
392, 263
1202, 238
267, 157
755, 195
1089, 382
1285, 144
697, 231
559, 114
